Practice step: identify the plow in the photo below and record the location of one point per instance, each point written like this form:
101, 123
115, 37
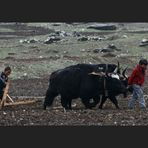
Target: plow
8, 101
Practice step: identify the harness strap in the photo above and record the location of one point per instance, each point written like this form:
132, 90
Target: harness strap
105, 90
106, 68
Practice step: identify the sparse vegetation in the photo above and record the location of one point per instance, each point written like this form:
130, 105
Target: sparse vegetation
32, 64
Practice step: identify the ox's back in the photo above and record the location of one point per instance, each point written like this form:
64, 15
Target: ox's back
87, 68
66, 81
72, 76
76, 82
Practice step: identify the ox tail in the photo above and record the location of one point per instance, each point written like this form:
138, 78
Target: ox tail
49, 98
51, 93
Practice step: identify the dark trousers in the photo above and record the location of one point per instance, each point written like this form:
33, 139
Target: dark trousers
1, 94
2, 86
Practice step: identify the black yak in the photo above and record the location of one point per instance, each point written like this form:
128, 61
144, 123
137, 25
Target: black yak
85, 81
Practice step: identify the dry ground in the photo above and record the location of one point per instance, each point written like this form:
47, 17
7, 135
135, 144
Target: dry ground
32, 64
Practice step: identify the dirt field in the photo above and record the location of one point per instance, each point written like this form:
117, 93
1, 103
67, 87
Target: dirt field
23, 47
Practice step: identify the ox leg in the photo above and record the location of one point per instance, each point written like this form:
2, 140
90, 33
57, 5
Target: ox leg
69, 103
103, 100
114, 101
85, 101
49, 98
96, 101
66, 103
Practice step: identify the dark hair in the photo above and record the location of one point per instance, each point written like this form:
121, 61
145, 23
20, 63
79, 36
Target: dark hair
143, 62
7, 68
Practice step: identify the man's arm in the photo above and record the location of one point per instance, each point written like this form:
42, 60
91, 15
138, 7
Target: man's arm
130, 80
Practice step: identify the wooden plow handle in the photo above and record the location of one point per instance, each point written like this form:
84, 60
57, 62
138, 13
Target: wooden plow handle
3, 101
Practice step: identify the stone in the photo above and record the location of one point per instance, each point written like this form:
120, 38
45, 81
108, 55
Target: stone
76, 34
97, 50
28, 41
62, 33
112, 46
83, 39
33, 41
144, 42
107, 50
51, 39
102, 27
109, 55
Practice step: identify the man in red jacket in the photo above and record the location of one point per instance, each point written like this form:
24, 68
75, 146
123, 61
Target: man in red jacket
136, 80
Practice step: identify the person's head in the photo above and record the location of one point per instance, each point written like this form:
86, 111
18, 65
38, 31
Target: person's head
7, 71
143, 63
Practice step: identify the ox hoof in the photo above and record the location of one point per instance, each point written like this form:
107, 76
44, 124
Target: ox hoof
118, 108
100, 107
44, 107
88, 107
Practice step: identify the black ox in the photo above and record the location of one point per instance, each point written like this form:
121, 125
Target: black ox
86, 81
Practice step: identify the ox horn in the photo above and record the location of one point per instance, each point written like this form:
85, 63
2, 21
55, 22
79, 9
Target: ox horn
118, 68
123, 73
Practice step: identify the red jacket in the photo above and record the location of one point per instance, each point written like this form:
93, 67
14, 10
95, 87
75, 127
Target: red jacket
137, 76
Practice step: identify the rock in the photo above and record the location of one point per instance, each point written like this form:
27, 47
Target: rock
33, 41
62, 33
144, 42
83, 39
97, 50
112, 46
23, 41
113, 37
76, 34
4, 113
94, 38
55, 51
107, 50
122, 55
25, 74
28, 41
125, 36
103, 27
11, 53
109, 55
65, 52
51, 39
82, 50
52, 34
56, 24
9, 58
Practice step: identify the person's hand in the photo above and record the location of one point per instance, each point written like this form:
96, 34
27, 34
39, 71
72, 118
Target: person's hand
130, 88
